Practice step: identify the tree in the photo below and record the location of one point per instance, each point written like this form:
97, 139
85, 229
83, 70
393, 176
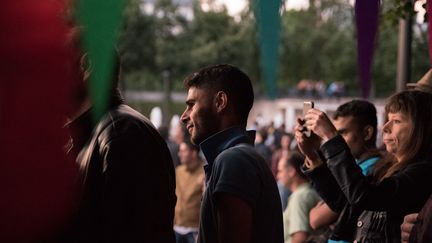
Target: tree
318, 43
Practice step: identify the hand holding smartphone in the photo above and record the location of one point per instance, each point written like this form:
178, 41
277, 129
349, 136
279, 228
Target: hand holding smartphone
307, 105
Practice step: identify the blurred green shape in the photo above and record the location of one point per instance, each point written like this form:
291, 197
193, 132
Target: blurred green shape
267, 15
101, 20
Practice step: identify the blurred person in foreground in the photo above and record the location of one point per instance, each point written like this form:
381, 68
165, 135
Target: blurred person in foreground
416, 227
189, 189
356, 122
396, 188
241, 201
303, 198
127, 175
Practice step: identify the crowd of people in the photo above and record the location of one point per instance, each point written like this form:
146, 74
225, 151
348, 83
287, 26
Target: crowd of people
217, 182
336, 185
330, 185
310, 89
233, 185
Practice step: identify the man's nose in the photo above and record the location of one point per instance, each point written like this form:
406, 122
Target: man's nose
184, 118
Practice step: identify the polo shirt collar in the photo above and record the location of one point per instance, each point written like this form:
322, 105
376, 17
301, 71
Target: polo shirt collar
220, 141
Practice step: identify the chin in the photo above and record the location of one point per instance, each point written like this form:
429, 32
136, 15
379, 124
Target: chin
195, 141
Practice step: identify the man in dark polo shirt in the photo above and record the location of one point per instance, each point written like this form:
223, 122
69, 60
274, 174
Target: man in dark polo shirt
241, 202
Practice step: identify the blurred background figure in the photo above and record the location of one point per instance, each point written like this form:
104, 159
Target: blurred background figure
172, 145
261, 147
282, 152
336, 89
302, 199
189, 190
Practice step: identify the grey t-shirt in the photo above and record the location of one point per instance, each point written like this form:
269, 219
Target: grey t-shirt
242, 172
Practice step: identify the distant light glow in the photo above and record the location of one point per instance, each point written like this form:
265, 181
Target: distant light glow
297, 4
420, 11
236, 6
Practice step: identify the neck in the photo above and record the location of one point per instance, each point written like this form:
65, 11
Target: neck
367, 153
193, 165
296, 183
230, 121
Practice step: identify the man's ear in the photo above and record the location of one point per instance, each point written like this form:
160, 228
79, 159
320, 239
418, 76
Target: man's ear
368, 133
221, 101
291, 171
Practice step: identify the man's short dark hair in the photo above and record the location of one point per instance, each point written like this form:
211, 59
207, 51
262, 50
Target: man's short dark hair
296, 160
229, 79
363, 112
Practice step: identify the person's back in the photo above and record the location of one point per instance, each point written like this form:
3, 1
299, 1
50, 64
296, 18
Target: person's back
249, 178
128, 181
126, 173
295, 215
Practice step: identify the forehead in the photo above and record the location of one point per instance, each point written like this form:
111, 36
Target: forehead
398, 115
195, 93
344, 122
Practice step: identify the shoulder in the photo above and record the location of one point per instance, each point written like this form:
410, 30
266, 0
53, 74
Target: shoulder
180, 169
243, 158
421, 167
124, 114
240, 152
306, 193
123, 123
123, 120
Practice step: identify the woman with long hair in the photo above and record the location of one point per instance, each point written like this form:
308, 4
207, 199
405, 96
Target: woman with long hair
396, 188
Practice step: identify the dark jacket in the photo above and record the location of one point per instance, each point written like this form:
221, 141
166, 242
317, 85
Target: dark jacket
340, 181
127, 178
422, 230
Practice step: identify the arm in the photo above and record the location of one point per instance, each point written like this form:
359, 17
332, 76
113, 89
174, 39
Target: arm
327, 187
317, 171
234, 219
299, 237
400, 187
321, 215
359, 191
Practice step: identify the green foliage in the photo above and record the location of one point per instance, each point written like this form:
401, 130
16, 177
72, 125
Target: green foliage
317, 43
399, 9
385, 60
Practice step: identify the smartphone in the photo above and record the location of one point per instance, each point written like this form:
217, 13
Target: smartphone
307, 105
